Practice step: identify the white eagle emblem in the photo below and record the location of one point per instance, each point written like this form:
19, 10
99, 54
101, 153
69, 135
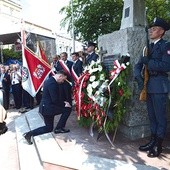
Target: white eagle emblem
39, 71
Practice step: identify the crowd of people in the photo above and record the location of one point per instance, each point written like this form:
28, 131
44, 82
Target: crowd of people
14, 96
13, 93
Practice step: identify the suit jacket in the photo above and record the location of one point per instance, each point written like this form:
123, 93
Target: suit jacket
51, 100
158, 67
78, 67
91, 57
6, 83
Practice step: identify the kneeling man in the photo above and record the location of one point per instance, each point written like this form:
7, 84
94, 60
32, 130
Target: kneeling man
51, 105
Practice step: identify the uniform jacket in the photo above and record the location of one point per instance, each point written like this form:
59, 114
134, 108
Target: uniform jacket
158, 67
91, 57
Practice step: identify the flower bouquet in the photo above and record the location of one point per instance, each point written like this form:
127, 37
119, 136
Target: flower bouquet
100, 96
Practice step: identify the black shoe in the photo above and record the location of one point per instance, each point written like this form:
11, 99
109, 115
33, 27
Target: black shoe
61, 130
155, 152
28, 137
3, 128
149, 145
157, 149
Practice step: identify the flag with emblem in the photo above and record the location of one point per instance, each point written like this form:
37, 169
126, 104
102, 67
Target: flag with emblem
34, 72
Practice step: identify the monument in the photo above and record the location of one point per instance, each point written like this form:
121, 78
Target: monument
131, 38
131, 9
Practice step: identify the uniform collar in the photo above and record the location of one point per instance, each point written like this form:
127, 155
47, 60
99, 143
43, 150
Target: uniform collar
156, 41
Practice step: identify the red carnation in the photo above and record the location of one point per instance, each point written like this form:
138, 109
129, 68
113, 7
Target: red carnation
120, 92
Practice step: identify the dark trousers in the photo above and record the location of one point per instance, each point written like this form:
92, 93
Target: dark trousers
157, 112
6, 96
17, 93
49, 121
28, 100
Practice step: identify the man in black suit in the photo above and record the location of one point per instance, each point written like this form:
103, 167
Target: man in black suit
92, 56
66, 65
77, 65
5, 83
51, 105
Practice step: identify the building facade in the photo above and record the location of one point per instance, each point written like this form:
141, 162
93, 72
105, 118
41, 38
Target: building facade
11, 22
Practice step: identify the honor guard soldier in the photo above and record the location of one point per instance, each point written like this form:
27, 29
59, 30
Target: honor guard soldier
92, 56
158, 63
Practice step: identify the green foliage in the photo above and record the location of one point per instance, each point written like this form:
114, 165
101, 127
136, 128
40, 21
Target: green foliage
11, 54
93, 18
121, 93
158, 8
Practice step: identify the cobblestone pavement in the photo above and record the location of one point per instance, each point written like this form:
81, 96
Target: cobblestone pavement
124, 149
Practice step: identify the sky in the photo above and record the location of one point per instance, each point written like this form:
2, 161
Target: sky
44, 12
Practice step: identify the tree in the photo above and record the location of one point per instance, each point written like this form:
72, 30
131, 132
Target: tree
11, 54
93, 18
158, 8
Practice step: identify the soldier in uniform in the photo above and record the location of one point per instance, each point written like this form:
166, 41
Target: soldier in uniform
92, 56
158, 63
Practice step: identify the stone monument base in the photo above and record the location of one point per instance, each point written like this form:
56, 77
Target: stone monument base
130, 40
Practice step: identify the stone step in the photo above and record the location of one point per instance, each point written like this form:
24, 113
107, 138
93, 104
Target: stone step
48, 148
28, 157
71, 153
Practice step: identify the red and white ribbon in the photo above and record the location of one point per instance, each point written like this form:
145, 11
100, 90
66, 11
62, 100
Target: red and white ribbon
64, 66
117, 69
74, 75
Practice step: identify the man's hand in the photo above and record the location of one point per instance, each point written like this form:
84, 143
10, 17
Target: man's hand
67, 104
145, 59
140, 82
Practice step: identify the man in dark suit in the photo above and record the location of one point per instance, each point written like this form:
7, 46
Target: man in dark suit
158, 63
77, 67
5, 82
92, 56
51, 105
66, 65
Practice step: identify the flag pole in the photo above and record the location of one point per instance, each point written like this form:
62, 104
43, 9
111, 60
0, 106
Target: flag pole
72, 19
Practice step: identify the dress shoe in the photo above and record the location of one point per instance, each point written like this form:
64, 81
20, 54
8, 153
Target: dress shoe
149, 145
157, 149
28, 138
3, 128
61, 130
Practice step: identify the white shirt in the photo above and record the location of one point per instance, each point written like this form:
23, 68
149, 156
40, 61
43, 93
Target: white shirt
15, 77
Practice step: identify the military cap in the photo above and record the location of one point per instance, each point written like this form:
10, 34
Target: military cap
161, 23
90, 43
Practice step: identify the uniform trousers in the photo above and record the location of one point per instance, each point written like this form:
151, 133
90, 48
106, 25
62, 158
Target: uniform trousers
157, 113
